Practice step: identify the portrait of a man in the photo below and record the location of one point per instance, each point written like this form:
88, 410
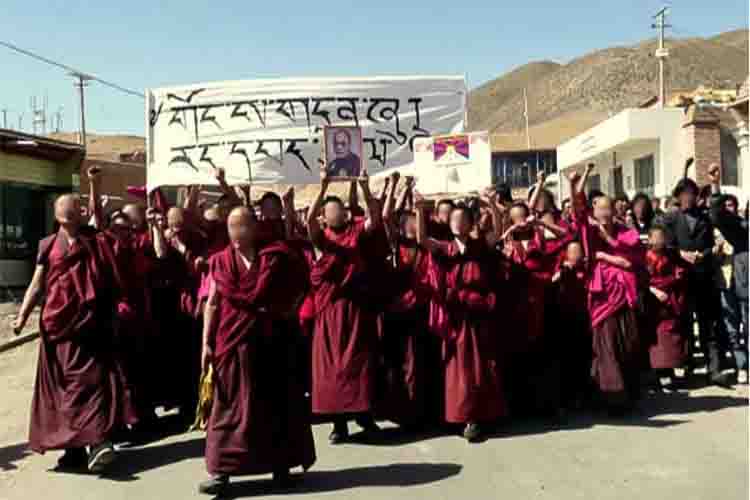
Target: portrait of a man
343, 151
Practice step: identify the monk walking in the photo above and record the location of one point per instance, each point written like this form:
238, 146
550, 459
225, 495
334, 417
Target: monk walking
258, 423
79, 396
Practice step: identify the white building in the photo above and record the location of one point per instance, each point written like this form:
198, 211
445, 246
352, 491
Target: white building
645, 149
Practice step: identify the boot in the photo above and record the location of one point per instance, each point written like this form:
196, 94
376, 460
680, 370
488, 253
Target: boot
340, 432
715, 377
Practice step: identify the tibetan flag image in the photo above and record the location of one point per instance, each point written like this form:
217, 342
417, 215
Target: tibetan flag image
451, 148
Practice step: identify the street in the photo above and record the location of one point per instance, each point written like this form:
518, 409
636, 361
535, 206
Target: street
679, 446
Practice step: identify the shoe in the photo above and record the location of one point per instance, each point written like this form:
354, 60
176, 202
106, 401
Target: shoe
214, 486
100, 457
742, 377
72, 459
367, 423
720, 379
472, 432
339, 434
282, 479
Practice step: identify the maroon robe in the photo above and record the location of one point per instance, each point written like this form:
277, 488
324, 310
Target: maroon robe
345, 336
612, 301
258, 422
463, 314
405, 341
79, 393
669, 344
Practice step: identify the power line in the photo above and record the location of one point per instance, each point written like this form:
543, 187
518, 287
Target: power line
71, 70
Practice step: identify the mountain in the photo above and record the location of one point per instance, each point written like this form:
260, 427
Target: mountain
607, 81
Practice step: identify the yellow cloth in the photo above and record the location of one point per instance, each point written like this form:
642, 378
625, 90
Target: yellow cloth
205, 399
723, 261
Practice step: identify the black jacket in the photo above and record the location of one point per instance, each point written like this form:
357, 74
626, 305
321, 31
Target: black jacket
700, 239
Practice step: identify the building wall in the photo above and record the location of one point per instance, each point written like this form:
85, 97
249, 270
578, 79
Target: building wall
116, 177
28, 187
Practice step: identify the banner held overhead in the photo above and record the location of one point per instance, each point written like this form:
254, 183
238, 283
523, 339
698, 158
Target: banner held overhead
271, 131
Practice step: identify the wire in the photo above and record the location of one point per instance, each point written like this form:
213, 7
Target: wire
72, 70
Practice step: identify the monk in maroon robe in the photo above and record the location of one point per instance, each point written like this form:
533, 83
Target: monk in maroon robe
615, 253
345, 337
79, 395
258, 423
405, 332
665, 307
573, 325
463, 314
181, 266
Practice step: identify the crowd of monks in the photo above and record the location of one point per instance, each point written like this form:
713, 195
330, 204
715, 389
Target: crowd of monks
403, 310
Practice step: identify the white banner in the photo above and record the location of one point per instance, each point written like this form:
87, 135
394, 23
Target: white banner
271, 130
453, 163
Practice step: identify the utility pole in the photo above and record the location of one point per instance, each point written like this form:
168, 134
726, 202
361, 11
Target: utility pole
5, 117
526, 116
81, 82
661, 52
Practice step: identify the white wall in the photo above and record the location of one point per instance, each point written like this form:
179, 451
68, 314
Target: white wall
631, 134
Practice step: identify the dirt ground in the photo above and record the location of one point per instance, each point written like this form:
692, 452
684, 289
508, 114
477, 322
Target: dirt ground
682, 446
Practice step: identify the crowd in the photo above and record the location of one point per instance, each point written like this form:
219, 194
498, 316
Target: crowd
460, 311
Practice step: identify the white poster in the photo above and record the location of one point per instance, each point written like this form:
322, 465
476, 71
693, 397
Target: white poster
457, 163
271, 130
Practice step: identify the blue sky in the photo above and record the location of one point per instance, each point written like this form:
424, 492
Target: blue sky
146, 43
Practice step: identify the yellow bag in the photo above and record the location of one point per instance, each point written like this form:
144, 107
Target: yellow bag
205, 398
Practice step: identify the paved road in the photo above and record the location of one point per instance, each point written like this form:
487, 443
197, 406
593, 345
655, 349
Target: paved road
681, 446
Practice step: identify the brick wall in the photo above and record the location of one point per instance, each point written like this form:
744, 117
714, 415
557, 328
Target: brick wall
702, 142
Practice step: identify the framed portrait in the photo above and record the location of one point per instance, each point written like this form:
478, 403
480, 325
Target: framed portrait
343, 152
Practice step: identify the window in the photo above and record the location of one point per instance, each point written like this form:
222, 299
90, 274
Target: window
23, 219
595, 182
644, 174
519, 170
616, 179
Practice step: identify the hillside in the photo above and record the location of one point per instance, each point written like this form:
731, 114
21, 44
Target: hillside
494, 94
608, 80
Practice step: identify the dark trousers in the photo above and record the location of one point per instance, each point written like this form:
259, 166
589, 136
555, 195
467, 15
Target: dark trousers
703, 307
732, 325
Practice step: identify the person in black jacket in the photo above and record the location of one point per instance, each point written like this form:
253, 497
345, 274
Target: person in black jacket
734, 303
691, 232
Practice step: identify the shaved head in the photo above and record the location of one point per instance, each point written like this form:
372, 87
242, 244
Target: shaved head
137, 214
176, 219
241, 224
68, 210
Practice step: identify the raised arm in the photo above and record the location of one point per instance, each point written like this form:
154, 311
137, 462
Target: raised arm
95, 207
30, 299
405, 195
376, 217
384, 191
490, 198
389, 201
290, 214
220, 175
156, 229
354, 207
191, 201
313, 226
540, 178
423, 240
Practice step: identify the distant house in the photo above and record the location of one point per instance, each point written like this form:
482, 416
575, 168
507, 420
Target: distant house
34, 170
